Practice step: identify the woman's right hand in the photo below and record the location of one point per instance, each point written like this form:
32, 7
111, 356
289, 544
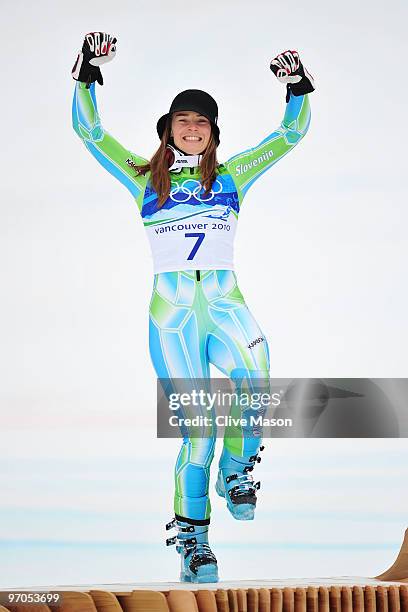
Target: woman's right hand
98, 48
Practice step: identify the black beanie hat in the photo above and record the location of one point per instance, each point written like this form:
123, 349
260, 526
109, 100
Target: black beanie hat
193, 100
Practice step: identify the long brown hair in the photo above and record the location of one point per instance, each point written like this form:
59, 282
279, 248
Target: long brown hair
160, 162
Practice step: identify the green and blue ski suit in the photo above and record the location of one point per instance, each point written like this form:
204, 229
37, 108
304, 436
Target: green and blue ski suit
198, 315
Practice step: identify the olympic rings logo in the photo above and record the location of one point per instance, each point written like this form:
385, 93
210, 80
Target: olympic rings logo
182, 193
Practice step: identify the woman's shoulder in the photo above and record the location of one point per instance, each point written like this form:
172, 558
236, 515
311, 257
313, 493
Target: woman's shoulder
222, 168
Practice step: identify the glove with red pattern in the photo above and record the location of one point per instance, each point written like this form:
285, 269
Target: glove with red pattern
98, 48
289, 70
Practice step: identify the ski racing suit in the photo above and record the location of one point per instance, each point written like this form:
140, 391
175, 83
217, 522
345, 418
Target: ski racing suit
198, 315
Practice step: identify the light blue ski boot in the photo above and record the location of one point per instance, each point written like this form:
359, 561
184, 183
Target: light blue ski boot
236, 486
198, 562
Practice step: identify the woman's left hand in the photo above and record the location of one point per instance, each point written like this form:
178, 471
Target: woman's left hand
289, 70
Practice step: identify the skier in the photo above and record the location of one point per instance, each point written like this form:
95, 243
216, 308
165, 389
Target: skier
198, 315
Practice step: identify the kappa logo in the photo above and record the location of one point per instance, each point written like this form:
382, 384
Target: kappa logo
256, 341
130, 163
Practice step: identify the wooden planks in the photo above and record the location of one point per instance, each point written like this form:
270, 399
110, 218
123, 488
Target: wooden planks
399, 569
325, 598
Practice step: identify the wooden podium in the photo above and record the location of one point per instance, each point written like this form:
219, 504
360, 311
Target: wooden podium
387, 592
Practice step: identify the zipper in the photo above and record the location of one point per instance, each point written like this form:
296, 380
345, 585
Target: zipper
198, 275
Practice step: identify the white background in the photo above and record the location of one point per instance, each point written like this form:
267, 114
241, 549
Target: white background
320, 257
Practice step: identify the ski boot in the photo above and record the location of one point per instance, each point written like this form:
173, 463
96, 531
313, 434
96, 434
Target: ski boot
236, 486
198, 562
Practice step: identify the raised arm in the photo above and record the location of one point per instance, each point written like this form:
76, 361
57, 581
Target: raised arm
249, 165
115, 158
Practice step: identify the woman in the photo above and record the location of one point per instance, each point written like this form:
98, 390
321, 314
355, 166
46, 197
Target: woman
189, 204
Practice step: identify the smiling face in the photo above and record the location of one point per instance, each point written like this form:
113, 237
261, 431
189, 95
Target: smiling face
191, 131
